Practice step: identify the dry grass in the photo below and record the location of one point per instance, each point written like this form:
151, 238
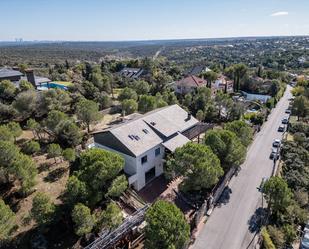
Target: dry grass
51, 179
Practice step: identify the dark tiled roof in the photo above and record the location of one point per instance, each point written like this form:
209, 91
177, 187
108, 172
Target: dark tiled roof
6, 72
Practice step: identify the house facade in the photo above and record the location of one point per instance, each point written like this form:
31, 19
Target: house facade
144, 141
222, 83
189, 84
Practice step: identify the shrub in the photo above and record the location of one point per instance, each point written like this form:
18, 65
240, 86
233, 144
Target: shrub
267, 243
31, 147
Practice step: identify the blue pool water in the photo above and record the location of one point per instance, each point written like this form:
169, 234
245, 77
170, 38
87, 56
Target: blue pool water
54, 85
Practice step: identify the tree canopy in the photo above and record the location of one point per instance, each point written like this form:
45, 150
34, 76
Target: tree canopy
7, 220
227, 146
198, 164
87, 111
242, 130
166, 226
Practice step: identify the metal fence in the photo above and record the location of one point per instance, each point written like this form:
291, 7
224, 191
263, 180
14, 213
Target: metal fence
110, 239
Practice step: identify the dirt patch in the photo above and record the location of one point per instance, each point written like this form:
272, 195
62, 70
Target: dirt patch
103, 123
51, 179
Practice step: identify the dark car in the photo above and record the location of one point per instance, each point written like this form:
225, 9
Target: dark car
285, 121
281, 128
288, 111
274, 154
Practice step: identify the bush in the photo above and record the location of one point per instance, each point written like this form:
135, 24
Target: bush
53, 151
267, 243
276, 236
31, 147
69, 155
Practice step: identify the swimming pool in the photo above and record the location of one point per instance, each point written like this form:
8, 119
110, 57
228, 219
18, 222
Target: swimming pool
54, 85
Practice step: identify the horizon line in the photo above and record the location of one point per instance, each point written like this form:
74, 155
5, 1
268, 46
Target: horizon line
163, 39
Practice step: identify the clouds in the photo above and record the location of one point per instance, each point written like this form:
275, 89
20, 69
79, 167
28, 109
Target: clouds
280, 13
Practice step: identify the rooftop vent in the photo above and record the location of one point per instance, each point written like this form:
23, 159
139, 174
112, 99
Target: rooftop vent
131, 137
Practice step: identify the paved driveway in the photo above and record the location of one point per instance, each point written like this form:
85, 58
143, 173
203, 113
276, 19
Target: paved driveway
233, 224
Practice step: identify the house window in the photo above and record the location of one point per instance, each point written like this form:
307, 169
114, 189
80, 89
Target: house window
157, 151
144, 159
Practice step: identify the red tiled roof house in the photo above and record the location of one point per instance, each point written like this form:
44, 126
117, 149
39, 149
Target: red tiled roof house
189, 84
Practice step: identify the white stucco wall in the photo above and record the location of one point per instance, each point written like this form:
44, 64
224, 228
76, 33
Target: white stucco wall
134, 166
130, 162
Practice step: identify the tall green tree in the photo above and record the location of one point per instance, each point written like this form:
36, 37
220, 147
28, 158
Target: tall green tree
226, 145
166, 227
54, 151
76, 191
242, 130
98, 169
240, 71
210, 77
127, 93
277, 194
110, 218
300, 107
129, 106
198, 164
7, 220
6, 134
43, 210
147, 103
69, 154
7, 90
118, 186
87, 111
15, 129
83, 219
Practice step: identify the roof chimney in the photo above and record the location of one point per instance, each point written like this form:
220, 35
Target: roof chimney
189, 116
30, 76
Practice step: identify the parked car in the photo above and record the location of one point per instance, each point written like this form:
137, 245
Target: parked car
274, 154
288, 111
276, 143
285, 120
304, 243
281, 128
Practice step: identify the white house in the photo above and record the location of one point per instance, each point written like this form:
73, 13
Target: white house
144, 141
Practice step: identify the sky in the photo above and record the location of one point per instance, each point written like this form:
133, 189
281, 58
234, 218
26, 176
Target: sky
114, 20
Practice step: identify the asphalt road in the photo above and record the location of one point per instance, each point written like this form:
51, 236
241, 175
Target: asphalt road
232, 225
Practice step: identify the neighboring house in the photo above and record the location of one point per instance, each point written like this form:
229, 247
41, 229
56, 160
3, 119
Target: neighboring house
132, 73
144, 141
10, 74
221, 84
189, 84
16, 76
197, 70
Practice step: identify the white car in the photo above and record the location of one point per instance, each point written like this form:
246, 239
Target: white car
285, 120
277, 143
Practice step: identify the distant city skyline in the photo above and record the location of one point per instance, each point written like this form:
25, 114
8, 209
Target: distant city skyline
123, 20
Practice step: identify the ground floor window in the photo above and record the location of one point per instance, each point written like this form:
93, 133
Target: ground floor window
149, 175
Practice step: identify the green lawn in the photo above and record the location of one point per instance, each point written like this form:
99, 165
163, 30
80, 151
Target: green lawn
64, 83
